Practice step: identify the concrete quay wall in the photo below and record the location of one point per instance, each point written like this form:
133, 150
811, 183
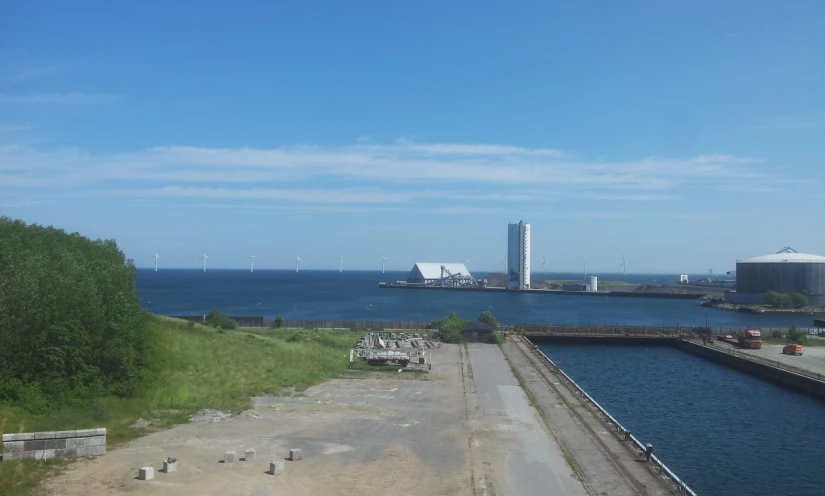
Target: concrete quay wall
786, 378
54, 444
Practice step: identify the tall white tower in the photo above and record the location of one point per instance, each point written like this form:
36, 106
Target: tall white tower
518, 256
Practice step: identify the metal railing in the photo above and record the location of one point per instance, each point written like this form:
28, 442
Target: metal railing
622, 433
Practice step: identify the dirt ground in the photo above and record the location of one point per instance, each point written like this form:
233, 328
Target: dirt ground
380, 433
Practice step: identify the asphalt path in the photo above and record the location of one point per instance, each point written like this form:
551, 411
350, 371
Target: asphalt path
534, 464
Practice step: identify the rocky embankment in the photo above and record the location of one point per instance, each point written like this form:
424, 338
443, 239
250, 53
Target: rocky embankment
732, 307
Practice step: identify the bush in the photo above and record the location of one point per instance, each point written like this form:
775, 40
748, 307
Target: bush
771, 299
799, 300
488, 318
71, 325
796, 336
495, 338
450, 327
279, 322
776, 334
220, 320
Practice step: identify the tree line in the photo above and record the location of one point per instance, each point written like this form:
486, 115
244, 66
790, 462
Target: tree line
784, 300
71, 326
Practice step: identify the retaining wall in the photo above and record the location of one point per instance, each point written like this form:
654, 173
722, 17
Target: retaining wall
54, 444
785, 378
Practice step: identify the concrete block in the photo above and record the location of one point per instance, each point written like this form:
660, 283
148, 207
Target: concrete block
10, 455
250, 455
78, 442
54, 444
86, 432
146, 473
85, 451
294, 454
25, 455
96, 441
23, 436
169, 467
12, 446
34, 445
44, 435
98, 450
65, 453
65, 434
101, 431
8, 438
229, 457
43, 454
276, 468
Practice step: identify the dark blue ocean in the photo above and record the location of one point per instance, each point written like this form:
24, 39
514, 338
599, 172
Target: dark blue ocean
722, 431
354, 295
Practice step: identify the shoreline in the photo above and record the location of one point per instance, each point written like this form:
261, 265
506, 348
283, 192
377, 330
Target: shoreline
761, 309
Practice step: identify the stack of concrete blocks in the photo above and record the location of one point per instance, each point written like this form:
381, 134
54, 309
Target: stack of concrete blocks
54, 444
229, 457
294, 454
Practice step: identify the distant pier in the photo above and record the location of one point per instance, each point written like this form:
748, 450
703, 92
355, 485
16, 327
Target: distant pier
619, 294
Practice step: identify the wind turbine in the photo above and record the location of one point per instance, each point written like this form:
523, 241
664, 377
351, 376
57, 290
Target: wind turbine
156, 257
504, 263
252, 262
341, 259
585, 265
204, 258
423, 259
623, 265
544, 265
467, 262
383, 259
297, 262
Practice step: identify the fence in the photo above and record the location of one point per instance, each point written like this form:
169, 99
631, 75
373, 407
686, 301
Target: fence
605, 329
622, 433
350, 324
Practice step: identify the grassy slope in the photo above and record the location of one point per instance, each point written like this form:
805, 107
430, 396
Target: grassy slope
193, 367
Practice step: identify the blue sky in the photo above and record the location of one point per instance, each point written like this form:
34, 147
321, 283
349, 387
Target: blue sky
682, 136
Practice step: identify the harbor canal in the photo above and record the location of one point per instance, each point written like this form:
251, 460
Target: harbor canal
720, 430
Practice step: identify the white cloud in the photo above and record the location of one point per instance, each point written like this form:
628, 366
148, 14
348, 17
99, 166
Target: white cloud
70, 98
403, 172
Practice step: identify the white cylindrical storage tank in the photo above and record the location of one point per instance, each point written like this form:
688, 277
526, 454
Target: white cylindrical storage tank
591, 283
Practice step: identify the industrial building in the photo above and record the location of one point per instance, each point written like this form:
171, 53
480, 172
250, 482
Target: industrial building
518, 256
783, 272
441, 274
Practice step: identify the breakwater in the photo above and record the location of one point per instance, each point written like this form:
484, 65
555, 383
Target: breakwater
618, 294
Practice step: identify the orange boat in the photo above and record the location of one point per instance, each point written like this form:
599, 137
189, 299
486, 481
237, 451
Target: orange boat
793, 349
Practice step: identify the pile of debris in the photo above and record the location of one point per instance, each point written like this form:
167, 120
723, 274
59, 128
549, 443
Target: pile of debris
207, 416
390, 340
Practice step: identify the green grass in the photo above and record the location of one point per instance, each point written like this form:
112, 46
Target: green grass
192, 367
808, 341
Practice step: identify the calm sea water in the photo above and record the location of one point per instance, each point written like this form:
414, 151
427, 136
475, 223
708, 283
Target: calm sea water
722, 431
354, 295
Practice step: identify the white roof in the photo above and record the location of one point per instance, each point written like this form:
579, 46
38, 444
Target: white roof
786, 258
431, 270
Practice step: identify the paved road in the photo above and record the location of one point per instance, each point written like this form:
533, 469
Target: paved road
534, 464
813, 359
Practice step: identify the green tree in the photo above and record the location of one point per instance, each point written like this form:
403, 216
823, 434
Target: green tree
279, 321
71, 325
799, 300
771, 299
450, 327
488, 318
220, 320
785, 301
796, 336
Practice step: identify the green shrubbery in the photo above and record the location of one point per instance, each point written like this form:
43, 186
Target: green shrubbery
784, 300
220, 320
70, 320
450, 327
